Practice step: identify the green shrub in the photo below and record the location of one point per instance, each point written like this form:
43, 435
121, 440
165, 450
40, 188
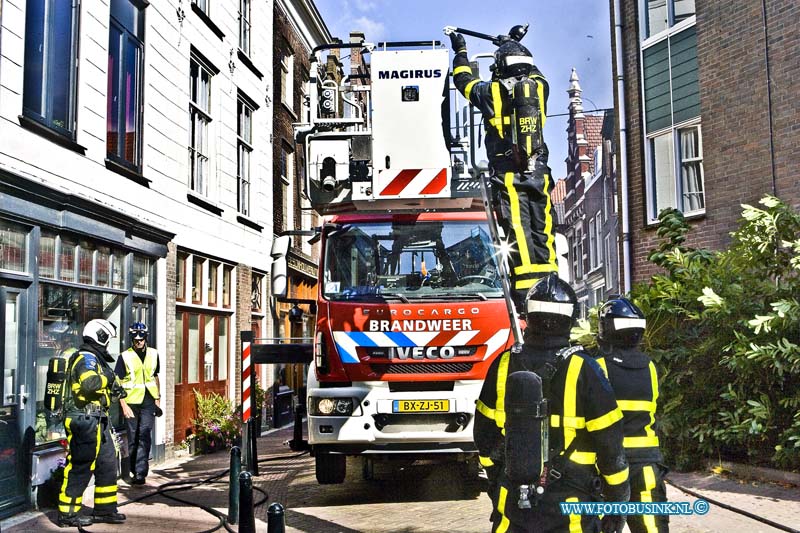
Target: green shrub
724, 328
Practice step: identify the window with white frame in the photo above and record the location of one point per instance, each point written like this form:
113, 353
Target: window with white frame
663, 14
597, 160
50, 75
200, 75
607, 247
244, 25
287, 181
287, 80
598, 228
577, 254
672, 112
203, 5
306, 214
592, 244
244, 139
125, 78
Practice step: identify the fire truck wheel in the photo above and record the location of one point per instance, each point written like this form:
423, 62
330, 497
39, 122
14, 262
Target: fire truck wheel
331, 468
367, 469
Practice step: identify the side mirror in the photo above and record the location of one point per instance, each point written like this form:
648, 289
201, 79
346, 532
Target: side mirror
280, 246
279, 280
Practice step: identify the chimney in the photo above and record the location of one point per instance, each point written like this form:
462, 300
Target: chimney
356, 65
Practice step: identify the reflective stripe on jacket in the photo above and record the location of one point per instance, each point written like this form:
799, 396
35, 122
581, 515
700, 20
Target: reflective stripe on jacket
91, 380
140, 376
582, 409
635, 381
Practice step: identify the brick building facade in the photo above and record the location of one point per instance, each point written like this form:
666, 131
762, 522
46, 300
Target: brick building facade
590, 215
711, 113
298, 28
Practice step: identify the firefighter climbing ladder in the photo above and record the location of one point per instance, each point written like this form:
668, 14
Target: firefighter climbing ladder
500, 247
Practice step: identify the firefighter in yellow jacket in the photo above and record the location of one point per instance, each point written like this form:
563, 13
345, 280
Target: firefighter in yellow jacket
138, 368
621, 325
514, 106
92, 387
585, 424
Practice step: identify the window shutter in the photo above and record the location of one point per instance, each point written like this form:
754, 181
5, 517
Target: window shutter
657, 87
685, 86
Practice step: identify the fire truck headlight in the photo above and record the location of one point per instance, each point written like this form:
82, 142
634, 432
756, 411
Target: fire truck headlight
332, 406
344, 406
325, 406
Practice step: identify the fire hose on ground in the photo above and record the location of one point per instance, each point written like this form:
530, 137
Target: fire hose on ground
275, 512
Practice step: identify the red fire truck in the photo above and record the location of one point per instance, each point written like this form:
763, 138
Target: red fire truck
410, 309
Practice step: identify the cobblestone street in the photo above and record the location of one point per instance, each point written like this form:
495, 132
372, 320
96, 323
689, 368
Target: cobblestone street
421, 499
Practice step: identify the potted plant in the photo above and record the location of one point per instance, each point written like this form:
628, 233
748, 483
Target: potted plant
217, 426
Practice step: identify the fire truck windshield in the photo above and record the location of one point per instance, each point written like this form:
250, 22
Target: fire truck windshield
409, 260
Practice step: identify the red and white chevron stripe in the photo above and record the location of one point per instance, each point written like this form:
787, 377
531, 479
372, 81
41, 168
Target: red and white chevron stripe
413, 182
246, 392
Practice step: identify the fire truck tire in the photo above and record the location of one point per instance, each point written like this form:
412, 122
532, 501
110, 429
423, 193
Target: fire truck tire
367, 468
471, 481
331, 468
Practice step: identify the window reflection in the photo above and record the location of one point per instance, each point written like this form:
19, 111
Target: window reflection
63, 312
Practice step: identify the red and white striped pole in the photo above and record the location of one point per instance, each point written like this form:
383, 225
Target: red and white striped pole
247, 338
249, 432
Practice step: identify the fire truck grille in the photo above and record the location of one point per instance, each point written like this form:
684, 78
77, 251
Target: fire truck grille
416, 368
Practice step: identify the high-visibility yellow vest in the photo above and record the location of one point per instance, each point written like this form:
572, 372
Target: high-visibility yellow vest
140, 376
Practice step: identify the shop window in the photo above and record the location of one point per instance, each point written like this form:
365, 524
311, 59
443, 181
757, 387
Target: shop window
180, 277
51, 53
73, 308
194, 348
13, 246
67, 260
119, 269
179, 348
103, 263
47, 255
197, 279
213, 270
85, 262
143, 274
226, 285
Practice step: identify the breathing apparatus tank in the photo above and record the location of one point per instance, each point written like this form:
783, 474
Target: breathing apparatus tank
527, 435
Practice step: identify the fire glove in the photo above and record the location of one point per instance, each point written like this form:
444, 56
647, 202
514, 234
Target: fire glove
615, 493
117, 390
458, 43
158, 411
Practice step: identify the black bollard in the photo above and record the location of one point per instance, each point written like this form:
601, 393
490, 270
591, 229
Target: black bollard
247, 520
297, 444
276, 522
233, 489
253, 433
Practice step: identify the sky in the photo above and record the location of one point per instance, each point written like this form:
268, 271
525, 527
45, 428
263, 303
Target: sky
563, 34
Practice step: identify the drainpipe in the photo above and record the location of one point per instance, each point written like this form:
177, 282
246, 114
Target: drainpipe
623, 151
